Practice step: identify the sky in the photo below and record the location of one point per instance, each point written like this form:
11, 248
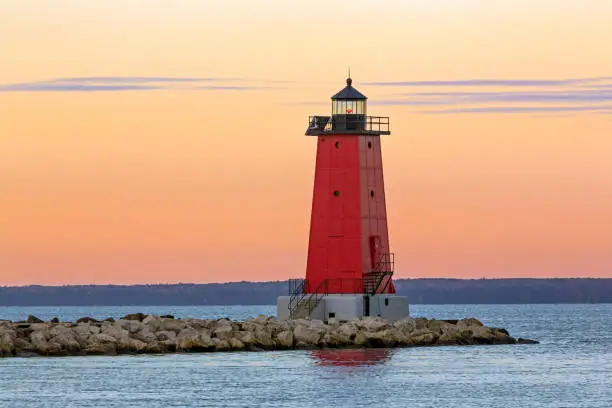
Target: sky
149, 142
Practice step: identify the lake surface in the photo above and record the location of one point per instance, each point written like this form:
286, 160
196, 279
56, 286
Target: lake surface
572, 367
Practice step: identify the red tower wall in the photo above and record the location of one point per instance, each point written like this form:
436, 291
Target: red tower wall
373, 205
341, 226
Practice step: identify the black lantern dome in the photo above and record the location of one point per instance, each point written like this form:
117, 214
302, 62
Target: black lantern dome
349, 92
349, 101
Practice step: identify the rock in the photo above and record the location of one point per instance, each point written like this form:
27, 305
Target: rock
54, 320
87, 320
7, 343
172, 325
349, 329
166, 336
192, 340
127, 345
67, 342
382, 338
284, 339
451, 336
33, 319
236, 344
480, 334
132, 326
103, 338
224, 332
527, 341
110, 319
38, 326
436, 326
114, 331
422, 338
146, 335
307, 336
360, 339
501, 330
167, 316
24, 348
149, 318
151, 334
406, 325
221, 345
134, 316
56, 330
246, 338
263, 338
154, 323
39, 340
101, 344
469, 322
82, 332
420, 323
373, 324
200, 324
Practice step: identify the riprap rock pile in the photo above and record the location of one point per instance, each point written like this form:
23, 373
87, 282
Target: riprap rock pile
139, 333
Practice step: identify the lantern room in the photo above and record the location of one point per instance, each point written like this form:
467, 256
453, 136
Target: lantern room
349, 101
349, 116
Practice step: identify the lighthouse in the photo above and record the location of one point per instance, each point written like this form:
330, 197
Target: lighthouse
349, 269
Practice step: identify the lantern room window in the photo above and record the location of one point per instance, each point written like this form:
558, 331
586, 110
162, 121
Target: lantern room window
349, 107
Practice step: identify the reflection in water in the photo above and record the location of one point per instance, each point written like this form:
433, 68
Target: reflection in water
351, 357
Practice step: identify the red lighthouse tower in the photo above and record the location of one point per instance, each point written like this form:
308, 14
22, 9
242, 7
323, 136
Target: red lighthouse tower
350, 267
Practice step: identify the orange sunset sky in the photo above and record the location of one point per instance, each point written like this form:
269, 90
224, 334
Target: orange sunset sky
146, 141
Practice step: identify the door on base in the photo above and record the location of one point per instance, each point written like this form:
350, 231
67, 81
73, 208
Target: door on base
366, 306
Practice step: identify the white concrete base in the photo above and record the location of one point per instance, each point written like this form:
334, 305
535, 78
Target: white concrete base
353, 306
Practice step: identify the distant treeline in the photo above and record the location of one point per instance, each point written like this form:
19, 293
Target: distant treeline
419, 291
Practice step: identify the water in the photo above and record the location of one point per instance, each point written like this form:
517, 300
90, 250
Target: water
572, 367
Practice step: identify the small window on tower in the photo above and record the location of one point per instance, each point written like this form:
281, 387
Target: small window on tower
371, 193
369, 145
336, 193
337, 145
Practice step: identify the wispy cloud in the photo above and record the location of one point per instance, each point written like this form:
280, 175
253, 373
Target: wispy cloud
236, 88
138, 83
51, 87
574, 95
137, 79
460, 98
526, 109
492, 82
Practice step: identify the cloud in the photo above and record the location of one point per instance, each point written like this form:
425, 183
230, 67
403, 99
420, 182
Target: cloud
492, 82
607, 109
135, 83
50, 87
574, 95
236, 88
460, 98
137, 79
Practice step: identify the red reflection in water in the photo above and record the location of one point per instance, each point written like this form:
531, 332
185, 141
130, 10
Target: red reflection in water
351, 358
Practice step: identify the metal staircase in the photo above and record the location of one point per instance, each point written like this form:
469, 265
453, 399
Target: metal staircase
302, 303
379, 279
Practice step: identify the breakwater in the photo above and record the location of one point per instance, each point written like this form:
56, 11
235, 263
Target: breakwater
139, 333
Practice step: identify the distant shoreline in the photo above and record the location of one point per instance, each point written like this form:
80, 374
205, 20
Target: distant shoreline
431, 291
